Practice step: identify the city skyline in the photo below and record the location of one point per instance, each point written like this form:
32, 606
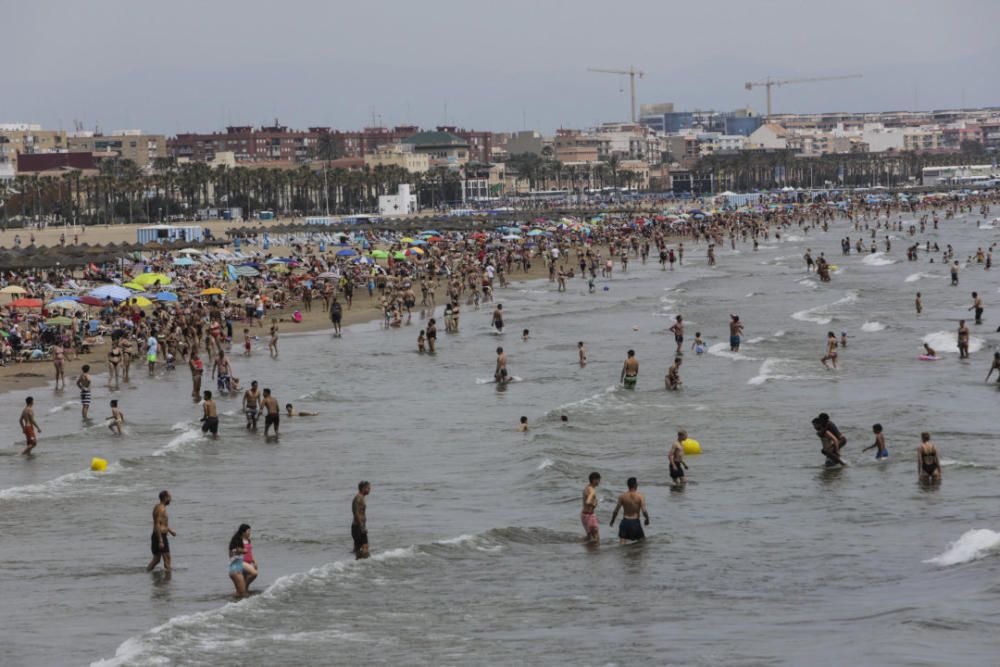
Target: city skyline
201, 68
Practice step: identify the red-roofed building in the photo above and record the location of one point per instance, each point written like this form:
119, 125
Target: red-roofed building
37, 163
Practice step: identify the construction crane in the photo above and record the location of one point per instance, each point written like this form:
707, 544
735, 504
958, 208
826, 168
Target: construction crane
769, 83
631, 71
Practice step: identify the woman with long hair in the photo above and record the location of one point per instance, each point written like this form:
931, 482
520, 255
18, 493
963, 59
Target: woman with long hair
236, 553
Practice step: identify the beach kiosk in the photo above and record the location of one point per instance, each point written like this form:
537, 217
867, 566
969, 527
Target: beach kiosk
169, 233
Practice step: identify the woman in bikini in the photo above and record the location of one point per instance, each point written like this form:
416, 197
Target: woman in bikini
928, 462
114, 361
58, 359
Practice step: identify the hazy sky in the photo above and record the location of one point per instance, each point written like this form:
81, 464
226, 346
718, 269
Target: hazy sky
180, 65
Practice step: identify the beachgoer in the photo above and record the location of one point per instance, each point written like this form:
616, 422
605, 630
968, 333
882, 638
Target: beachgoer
963, 340
678, 330
522, 425
831, 350
631, 503
588, 515
630, 371
292, 412
500, 373
977, 305
735, 330
30, 427
159, 543
581, 353
210, 415
675, 459
251, 405
994, 367
236, 563
673, 378
83, 383
881, 452
359, 524
273, 416
117, 418
928, 461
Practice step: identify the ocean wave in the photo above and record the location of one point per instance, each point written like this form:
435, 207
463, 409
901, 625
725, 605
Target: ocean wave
767, 372
947, 341
179, 441
62, 486
914, 277
808, 282
877, 259
64, 406
972, 545
546, 463
872, 327
820, 314
722, 350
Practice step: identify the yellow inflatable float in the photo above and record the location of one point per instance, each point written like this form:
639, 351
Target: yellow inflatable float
100, 465
691, 447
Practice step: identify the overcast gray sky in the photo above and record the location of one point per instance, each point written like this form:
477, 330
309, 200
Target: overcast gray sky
178, 65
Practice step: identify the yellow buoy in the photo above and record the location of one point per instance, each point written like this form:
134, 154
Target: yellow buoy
100, 465
833, 267
691, 447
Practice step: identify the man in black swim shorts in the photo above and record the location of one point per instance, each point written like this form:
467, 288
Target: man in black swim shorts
631, 503
359, 525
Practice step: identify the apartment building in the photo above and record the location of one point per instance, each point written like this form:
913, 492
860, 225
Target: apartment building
399, 155
133, 145
26, 138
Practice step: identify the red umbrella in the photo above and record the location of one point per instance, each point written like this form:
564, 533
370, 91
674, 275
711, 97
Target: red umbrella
91, 301
26, 303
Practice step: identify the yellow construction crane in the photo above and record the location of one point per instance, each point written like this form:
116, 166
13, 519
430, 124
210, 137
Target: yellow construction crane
769, 83
631, 72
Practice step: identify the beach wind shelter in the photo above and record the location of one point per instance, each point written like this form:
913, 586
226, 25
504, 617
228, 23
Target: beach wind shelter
168, 233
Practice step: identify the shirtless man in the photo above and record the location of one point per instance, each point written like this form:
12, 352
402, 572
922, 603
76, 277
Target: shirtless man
631, 503
673, 378
588, 515
272, 346
582, 353
83, 383
251, 405
117, 418
977, 305
500, 374
928, 462
830, 443
498, 318
210, 415
159, 544
336, 315
678, 330
735, 330
292, 412
919, 304
273, 416
359, 525
963, 340
522, 425
630, 371
30, 427
675, 459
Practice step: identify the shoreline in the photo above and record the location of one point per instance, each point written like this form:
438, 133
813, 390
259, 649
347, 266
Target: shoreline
41, 374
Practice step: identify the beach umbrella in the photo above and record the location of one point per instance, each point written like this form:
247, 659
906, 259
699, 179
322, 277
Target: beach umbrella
380, 254
166, 296
363, 260
190, 251
434, 239
212, 291
133, 286
430, 232
328, 274
398, 255
140, 301
60, 321
278, 260
418, 242
91, 300
413, 252
65, 305
183, 261
279, 268
13, 289
406, 239
536, 232
346, 252
511, 237
115, 292
24, 302
151, 279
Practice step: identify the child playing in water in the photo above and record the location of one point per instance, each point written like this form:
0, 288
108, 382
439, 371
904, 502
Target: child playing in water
879, 444
699, 345
421, 342
117, 419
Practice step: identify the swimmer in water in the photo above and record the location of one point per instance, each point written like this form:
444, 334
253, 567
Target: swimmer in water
919, 304
588, 515
673, 378
879, 444
930, 351
522, 426
675, 459
677, 329
117, 418
500, 374
630, 371
292, 412
831, 350
698, 345
582, 353
994, 367
928, 462
524, 335
631, 503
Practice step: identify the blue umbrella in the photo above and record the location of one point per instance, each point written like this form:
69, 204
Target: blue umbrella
418, 242
346, 252
65, 298
166, 296
183, 261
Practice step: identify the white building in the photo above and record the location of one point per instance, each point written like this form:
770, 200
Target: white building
881, 139
768, 137
401, 203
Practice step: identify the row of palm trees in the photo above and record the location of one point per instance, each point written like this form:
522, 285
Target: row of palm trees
122, 192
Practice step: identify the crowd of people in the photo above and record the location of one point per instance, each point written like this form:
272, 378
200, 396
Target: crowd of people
169, 312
